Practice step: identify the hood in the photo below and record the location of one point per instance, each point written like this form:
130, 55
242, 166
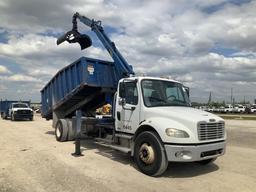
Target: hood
183, 118
183, 115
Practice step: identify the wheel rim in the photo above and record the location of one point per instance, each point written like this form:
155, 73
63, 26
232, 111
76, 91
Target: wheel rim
147, 154
58, 133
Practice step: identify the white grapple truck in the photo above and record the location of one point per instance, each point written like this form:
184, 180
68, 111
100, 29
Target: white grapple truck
152, 119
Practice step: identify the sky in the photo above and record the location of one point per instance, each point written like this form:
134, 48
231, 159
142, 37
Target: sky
210, 46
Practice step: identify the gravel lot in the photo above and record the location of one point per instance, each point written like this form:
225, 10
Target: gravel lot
32, 161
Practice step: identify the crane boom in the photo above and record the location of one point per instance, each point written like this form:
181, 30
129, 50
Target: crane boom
123, 69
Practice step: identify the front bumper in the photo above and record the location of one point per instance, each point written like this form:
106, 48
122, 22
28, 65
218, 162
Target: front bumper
23, 116
190, 153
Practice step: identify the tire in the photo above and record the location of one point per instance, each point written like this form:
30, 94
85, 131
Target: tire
31, 118
61, 130
12, 117
149, 154
207, 161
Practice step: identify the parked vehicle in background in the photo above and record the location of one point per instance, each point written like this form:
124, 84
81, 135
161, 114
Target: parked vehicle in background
16, 110
203, 108
228, 109
222, 109
253, 108
210, 109
216, 110
239, 109
20, 111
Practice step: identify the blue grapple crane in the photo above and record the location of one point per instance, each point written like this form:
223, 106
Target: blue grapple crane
87, 83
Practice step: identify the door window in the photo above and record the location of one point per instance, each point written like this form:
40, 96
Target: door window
131, 93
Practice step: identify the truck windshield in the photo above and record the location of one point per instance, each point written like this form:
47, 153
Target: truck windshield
20, 105
164, 93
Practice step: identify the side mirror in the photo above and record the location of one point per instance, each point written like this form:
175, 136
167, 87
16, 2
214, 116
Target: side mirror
122, 90
187, 90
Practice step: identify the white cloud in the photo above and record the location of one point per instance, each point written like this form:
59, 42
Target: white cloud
4, 70
40, 55
3, 87
19, 78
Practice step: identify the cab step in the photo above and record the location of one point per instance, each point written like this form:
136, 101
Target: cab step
116, 147
125, 136
109, 141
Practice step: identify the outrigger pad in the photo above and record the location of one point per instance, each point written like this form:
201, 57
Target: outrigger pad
75, 37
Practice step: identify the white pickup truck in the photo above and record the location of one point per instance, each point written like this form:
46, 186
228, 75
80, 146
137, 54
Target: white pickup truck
239, 109
20, 111
228, 109
253, 108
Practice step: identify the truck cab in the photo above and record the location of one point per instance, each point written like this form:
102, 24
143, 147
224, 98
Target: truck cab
20, 111
157, 113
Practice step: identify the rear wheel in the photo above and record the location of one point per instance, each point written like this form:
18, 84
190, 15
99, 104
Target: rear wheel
61, 130
149, 154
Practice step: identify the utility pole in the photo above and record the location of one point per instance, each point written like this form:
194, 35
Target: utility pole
231, 95
210, 98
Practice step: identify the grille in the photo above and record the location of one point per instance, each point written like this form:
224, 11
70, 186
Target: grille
208, 131
23, 111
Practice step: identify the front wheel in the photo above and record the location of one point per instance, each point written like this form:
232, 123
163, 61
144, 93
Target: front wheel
12, 117
149, 154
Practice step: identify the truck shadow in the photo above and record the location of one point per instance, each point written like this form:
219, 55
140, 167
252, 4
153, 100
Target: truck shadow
184, 170
174, 170
17, 120
89, 144
50, 132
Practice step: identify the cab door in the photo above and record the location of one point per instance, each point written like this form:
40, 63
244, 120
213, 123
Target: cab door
127, 107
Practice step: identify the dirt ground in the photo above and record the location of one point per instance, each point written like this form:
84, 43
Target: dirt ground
32, 161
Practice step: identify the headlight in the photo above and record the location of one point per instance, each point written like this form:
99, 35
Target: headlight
171, 132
